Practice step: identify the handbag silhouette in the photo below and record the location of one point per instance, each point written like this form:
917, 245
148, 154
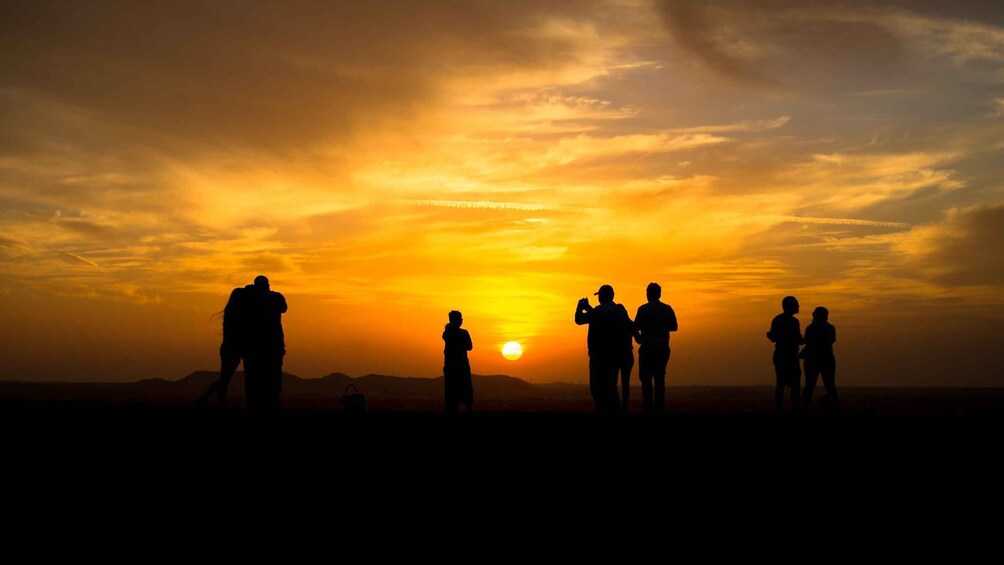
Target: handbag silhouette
354, 401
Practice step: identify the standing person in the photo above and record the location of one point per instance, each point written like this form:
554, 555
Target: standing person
654, 321
786, 334
231, 350
608, 324
265, 345
456, 366
820, 336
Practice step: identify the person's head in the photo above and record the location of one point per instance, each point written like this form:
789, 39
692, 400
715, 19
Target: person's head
653, 291
261, 283
606, 294
456, 318
820, 314
790, 305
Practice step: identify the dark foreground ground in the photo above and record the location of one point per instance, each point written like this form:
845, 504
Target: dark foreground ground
509, 483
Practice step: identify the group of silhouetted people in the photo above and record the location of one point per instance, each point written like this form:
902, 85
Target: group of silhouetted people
610, 342
252, 333
786, 334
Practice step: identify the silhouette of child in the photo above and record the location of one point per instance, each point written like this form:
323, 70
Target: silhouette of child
820, 336
456, 366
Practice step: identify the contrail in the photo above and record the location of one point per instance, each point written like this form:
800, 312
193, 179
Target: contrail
844, 222
488, 205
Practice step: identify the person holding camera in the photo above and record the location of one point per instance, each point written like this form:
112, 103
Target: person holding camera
608, 325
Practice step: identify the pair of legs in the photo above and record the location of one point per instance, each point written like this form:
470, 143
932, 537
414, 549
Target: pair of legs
603, 382
230, 359
263, 381
652, 363
459, 388
813, 368
788, 372
626, 365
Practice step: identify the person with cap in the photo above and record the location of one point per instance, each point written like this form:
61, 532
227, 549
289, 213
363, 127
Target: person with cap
654, 321
608, 324
786, 335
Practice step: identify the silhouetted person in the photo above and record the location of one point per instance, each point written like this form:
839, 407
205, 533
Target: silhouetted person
608, 324
820, 336
232, 348
626, 360
654, 321
264, 345
456, 366
786, 334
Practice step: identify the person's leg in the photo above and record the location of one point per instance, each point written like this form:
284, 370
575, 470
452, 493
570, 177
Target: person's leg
645, 375
795, 376
468, 398
779, 383
626, 366
659, 376
273, 384
251, 382
829, 371
612, 394
811, 374
596, 383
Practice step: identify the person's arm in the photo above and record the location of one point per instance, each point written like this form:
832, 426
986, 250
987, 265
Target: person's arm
772, 334
280, 301
833, 334
470, 344
639, 321
672, 324
582, 312
798, 330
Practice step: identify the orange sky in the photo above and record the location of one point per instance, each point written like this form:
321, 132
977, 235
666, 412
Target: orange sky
384, 164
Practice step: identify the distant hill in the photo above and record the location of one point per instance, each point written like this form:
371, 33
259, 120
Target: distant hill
492, 393
387, 390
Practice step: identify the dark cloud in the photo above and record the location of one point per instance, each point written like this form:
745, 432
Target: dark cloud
273, 76
964, 250
821, 45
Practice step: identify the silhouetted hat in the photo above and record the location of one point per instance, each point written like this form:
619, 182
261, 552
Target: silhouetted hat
605, 290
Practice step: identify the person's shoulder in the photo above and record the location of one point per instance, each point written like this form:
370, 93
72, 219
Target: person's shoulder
665, 307
778, 318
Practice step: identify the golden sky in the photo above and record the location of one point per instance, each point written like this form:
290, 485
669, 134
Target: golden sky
386, 162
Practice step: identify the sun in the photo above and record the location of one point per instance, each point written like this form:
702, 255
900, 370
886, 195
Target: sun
512, 351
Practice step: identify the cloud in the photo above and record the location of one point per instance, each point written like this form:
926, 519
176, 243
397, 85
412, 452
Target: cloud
756, 42
962, 250
741, 127
854, 181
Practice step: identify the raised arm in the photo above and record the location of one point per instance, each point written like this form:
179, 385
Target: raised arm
582, 312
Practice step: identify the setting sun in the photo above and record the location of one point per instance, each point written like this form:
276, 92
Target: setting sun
512, 351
